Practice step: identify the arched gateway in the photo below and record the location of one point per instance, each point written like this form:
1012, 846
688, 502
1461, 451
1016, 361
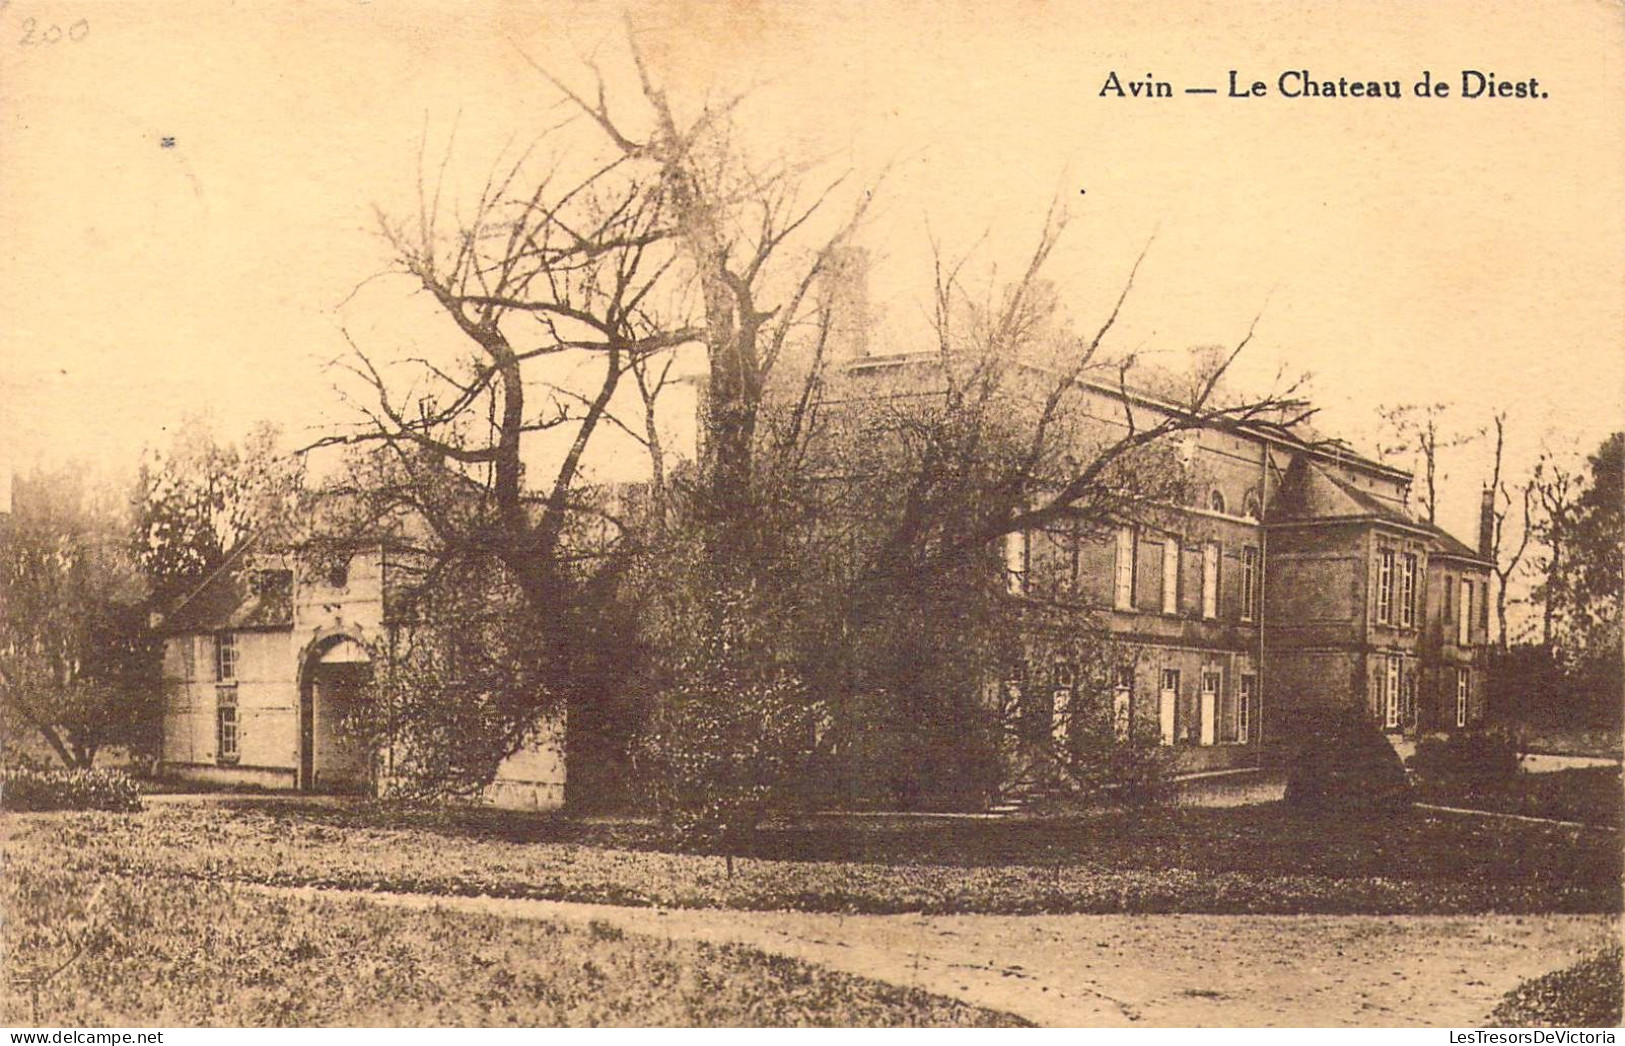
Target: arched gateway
334, 672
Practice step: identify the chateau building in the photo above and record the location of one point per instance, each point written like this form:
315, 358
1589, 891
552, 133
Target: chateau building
1295, 576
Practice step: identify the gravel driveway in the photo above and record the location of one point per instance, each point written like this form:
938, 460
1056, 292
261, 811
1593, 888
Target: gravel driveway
1139, 970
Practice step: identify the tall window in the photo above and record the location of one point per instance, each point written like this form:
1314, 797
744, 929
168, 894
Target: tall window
1015, 686
1390, 695
1061, 695
1249, 583
1016, 552
1211, 681
1407, 591
1244, 708
1210, 581
1463, 688
1385, 586
1122, 701
1170, 575
225, 657
1167, 699
1464, 615
1123, 589
225, 723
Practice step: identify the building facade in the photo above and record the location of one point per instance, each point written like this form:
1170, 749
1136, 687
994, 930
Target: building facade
265, 662
1295, 574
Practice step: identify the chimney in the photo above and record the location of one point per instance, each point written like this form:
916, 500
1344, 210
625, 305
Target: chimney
845, 290
1486, 524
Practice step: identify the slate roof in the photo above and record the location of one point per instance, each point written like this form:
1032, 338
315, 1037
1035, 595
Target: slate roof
235, 597
1310, 493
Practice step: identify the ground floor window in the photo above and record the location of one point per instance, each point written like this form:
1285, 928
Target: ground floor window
1463, 687
1390, 694
1123, 702
1233, 713
226, 724
1167, 698
1061, 694
1209, 710
1244, 708
1015, 707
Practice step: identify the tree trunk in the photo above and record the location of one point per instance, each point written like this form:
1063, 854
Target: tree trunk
55, 741
1501, 611
1549, 611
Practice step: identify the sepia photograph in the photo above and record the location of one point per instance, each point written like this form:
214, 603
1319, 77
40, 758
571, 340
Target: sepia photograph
745, 513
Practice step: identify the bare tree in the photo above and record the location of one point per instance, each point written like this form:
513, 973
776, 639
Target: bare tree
737, 225
598, 254
1013, 426
1556, 488
1007, 370
1504, 559
1416, 431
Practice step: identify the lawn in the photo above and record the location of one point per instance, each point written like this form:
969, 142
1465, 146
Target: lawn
161, 952
1262, 859
1593, 795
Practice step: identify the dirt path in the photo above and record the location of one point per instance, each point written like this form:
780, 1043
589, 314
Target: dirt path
1139, 970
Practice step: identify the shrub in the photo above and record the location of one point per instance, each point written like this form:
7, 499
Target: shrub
1137, 771
1340, 760
1475, 760
732, 727
29, 789
1140, 771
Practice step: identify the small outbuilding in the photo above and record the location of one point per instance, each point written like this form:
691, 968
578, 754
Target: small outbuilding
264, 665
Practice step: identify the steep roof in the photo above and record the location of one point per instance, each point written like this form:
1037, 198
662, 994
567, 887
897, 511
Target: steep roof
235, 597
1311, 494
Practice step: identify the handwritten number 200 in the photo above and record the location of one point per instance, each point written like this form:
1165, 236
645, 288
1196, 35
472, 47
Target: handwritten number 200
34, 36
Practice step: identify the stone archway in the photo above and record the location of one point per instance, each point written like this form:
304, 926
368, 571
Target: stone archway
335, 670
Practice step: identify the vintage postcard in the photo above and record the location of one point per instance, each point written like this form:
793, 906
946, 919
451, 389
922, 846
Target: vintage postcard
698, 513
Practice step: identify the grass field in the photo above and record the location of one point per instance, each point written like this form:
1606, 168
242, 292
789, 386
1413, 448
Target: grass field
168, 953
1260, 859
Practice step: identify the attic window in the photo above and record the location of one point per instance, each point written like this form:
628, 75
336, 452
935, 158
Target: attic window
272, 583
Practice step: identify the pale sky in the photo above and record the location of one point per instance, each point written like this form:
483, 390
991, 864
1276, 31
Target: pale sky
1465, 251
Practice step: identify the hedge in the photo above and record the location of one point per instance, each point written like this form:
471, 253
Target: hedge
27, 789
